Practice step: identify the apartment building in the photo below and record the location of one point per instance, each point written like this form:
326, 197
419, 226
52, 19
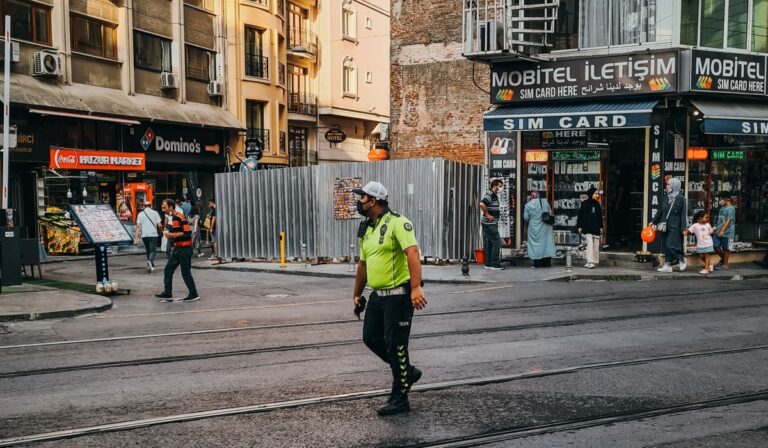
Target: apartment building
116, 102
354, 78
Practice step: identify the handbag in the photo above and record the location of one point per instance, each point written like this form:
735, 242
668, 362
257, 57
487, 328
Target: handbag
207, 222
662, 226
547, 217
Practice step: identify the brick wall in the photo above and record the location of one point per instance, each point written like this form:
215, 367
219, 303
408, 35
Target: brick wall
436, 110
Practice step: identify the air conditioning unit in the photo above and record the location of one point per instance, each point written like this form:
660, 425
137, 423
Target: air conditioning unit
215, 88
168, 81
45, 63
491, 36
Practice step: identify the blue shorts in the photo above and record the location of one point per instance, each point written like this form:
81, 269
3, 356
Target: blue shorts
704, 250
721, 242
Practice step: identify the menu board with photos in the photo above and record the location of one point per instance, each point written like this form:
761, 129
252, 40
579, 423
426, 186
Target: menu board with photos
100, 224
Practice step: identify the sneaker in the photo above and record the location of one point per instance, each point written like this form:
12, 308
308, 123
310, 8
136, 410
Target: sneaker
588, 265
704, 271
149, 267
200, 255
191, 298
683, 265
395, 405
164, 297
665, 269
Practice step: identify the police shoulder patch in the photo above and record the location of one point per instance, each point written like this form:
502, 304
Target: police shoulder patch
408, 226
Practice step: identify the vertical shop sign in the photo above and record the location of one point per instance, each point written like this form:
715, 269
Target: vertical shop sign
502, 156
655, 173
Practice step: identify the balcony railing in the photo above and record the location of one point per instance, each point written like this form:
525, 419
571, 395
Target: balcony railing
302, 103
264, 3
281, 73
257, 66
302, 42
283, 142
263, 136
497, 29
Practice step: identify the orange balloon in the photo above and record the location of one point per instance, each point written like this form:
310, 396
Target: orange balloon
648, 234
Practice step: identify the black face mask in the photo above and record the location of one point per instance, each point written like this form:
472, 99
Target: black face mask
360, 208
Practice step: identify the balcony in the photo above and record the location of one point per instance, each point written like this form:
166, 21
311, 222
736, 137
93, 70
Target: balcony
498, 30
257, 66
302, 103
302, 43
263, 136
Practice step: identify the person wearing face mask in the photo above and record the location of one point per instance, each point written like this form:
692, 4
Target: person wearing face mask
491, 212
671, 221
390, 265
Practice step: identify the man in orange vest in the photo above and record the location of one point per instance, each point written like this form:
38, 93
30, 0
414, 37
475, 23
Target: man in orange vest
179, 234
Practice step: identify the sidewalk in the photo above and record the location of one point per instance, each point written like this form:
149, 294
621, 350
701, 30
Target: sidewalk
452, 273
34, 302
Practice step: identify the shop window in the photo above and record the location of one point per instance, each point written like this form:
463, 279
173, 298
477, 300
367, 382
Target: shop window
200, 63
348, 23
760, 26
613, 22
94, 37
31, 22
151, 52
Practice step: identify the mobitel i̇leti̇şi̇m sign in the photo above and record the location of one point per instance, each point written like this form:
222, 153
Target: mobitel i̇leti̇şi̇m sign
583, 78
73, 159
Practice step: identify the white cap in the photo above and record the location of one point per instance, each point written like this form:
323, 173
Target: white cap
373, 189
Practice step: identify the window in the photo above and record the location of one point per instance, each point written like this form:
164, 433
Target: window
368, 77
28, 22
94, 37
738, 23
254, 121
256, 64
712, 16
349, 78
200, 63
760, 26
567, 26
368, 23
625, 22
151, 52
298, 144
704, 23
348, 23
689, 23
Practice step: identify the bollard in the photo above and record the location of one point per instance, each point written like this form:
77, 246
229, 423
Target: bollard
351, 258
282, 249
568, 261
304, 255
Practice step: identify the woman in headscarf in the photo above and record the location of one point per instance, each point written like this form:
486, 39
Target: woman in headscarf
541, 238
674, 213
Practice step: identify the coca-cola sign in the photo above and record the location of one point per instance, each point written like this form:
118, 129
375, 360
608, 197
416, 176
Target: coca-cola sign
75, 159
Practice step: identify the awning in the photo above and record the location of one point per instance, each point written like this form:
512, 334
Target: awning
84, 116
733, 118
604, 115
165, 110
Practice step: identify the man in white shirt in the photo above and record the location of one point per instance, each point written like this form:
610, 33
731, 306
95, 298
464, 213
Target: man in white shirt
147, 221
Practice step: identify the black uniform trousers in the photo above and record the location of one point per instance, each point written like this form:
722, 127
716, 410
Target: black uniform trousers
386, 331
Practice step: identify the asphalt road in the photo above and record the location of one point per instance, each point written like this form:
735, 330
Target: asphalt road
585, 364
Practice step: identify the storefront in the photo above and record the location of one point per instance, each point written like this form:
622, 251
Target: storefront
64, 159
623, 124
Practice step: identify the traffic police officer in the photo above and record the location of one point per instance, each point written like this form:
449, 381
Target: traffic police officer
390, 265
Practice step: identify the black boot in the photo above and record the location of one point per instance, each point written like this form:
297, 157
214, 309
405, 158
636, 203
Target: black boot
414, 375
395, 405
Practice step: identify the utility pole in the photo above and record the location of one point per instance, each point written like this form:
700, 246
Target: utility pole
6, 109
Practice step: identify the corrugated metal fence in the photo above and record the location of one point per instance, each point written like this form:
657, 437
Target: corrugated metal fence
440, 197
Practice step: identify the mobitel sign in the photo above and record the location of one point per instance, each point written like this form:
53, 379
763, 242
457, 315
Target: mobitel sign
713, 71
585, 78
75, 159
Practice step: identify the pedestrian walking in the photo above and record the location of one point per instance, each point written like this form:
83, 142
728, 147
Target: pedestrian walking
704, 245
179, 235
590, 224
541, 237
148, 224
390, 265
671, 221
489, 220
211, 224
186, 206
194, 223
725, 231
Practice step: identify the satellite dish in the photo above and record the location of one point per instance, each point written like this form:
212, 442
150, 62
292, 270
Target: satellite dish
249, 164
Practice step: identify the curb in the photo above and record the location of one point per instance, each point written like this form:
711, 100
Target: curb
330, 274
24, 317
651, 277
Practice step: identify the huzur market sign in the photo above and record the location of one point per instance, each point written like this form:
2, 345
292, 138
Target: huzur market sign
585, 78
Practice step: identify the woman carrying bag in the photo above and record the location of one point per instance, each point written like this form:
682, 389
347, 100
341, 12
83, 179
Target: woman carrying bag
541, 237
671, 222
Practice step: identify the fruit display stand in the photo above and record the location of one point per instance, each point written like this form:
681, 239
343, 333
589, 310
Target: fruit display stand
100, 225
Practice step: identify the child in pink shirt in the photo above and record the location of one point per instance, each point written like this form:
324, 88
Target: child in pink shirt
704, 245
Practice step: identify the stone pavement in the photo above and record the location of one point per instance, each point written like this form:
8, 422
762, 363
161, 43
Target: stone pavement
32, 302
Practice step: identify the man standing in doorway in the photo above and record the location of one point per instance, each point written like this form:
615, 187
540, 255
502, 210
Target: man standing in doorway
390, 264
491, 212
147, 224
179, 235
